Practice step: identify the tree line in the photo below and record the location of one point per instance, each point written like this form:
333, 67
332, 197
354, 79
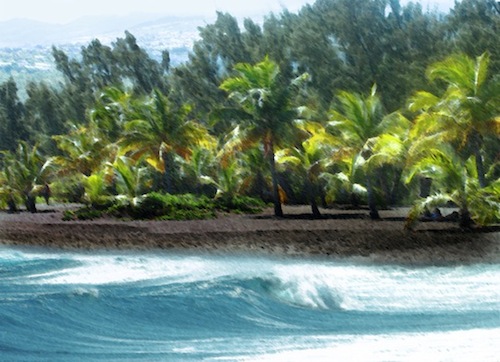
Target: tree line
353, 102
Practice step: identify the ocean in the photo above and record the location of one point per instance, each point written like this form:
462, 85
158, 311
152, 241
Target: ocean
160, 306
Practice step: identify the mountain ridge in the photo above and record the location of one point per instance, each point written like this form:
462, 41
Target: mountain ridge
175, 31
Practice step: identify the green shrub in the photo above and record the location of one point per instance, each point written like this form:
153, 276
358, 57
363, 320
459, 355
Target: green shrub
166, 207
84, 213
245, 204
173, 207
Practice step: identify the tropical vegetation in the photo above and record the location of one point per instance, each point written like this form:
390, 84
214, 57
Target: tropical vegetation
353, 102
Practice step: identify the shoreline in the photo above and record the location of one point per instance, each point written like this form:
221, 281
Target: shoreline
340, 234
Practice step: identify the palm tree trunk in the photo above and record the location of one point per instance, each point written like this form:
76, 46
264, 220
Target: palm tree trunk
384, 185
371, 200
425, 187
395, 187
311, 195
30, 203
354, 200
278, 211
465, 221
168, 181
480, 168
11, 203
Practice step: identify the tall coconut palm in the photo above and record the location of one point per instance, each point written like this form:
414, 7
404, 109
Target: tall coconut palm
309, 158
390, 149
467, 112
267, 111
351, 165
358, 121
161, 131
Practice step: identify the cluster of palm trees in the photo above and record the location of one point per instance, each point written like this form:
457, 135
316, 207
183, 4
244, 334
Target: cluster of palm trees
131, 143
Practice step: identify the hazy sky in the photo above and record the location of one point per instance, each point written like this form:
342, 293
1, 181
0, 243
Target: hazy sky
63, 11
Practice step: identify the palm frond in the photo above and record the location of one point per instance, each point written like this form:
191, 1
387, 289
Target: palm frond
423, 204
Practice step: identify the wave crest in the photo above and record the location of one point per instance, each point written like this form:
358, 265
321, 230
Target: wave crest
305, 292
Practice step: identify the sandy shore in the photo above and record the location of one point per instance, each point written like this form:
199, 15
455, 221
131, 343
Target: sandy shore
340, 234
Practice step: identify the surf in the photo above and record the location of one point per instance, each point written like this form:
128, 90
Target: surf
61, 305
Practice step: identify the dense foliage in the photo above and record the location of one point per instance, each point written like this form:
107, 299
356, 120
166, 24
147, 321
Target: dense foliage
347, 101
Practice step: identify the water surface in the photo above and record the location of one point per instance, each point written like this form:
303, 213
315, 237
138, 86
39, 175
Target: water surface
115, 306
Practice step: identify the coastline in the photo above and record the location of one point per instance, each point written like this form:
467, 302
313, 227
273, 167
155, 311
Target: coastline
340, 234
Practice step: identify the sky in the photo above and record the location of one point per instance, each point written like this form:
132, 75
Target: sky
64, 11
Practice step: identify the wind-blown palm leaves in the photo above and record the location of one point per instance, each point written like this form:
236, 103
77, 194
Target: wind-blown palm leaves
24, 175
456, 182
200, 166
227, 179
466, 113
266, 108
449, 135
454, 140
85, 149
162, 131
84, 152
344, 177
111, 111
309, 158
359, 123
130, 179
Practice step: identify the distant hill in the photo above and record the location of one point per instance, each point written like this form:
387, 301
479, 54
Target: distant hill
25, 45
168, 31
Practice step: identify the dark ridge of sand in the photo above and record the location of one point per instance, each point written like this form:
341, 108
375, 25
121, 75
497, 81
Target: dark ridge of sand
340, 233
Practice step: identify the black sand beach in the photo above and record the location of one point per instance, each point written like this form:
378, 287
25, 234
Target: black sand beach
341, 233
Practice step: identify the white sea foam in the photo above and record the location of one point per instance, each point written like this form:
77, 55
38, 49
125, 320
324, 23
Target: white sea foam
129, 268
310, 284
102, 270
8, 254
389, 288
467, 345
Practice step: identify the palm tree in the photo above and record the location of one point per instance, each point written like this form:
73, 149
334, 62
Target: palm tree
309, 158
111, 110
25, 175
200, 166
455, 180
358, 121
467, 112
342, 174
266, 108
228, 179
162, 131
85, 149
130, 178
96, 189
390, 150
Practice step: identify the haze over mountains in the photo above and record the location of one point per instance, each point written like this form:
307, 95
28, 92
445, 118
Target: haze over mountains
171, 32
25, 45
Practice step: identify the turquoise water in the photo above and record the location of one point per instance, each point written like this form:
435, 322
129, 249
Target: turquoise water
112, 306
